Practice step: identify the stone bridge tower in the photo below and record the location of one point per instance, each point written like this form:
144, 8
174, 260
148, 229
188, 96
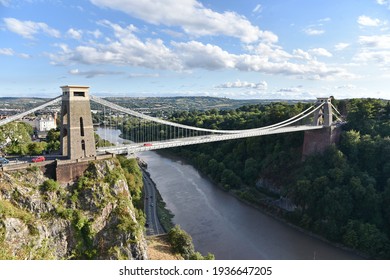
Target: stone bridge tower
323, 116
77, 135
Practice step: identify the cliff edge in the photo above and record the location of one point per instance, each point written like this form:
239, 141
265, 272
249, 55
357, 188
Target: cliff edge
92, 218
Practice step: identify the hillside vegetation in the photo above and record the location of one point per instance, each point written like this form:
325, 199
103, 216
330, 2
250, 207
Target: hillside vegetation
94, 218
343, 194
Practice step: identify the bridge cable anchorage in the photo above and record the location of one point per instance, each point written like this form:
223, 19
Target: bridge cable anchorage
178, 126
28, 112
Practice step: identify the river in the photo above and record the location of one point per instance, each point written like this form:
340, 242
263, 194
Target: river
221, 224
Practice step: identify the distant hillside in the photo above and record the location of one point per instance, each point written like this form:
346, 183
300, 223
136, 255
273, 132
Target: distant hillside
161, 104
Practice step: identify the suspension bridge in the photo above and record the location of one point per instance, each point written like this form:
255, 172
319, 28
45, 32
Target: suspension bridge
146, 132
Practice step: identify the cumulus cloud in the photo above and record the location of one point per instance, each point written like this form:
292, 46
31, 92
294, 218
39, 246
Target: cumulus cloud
28, 29
271, 51
242, 84
301, 54
375, 49
125, 48
11, 52
195, 54
370, 22
375, 41
320, 52
190, 15
75, 34
381, 57
384, 3
341, 46
311, 31
7, 51
96, 33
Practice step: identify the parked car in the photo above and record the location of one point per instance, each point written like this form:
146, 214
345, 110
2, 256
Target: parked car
3, 161
148, 144
38, 159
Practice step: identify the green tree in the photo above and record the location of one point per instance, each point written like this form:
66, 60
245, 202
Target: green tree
36, 148
181, 242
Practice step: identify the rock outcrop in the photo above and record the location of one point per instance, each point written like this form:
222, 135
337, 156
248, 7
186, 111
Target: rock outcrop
92, 218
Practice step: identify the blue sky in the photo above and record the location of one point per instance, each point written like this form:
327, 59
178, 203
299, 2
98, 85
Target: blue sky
238, 49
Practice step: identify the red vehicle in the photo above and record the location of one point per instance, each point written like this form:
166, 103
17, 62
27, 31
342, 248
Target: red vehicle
148, 144
38, 159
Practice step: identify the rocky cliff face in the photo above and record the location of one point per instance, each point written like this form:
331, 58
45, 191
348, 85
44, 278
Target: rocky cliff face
93, 218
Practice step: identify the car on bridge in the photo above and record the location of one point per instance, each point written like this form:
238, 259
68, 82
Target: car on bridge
38, 159
3, 161
148, 144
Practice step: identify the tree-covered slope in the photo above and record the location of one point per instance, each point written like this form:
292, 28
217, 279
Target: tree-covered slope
343, 194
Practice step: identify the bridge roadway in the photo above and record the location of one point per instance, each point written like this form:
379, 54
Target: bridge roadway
137, 147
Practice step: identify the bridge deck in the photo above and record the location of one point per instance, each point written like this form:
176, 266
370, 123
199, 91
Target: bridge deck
137, 147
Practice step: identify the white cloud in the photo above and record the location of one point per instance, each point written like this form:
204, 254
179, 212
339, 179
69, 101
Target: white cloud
194, 54
125, 48
341, 46
93, 73
374, 49
301, 54
28, 29
272, 52
7, 51
11, 52
384, 3
75, 34
313, 31
190, 15
320, 52
371, 22
257, 9
144, 75
380, 57
325, 19
291, 89
242, 84
24, 55
346, 87
375, 41
96, 33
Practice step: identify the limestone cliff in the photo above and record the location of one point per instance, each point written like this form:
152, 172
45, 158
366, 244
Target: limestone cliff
93, 218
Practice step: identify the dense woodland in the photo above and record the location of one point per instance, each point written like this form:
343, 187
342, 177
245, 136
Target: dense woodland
343, 195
